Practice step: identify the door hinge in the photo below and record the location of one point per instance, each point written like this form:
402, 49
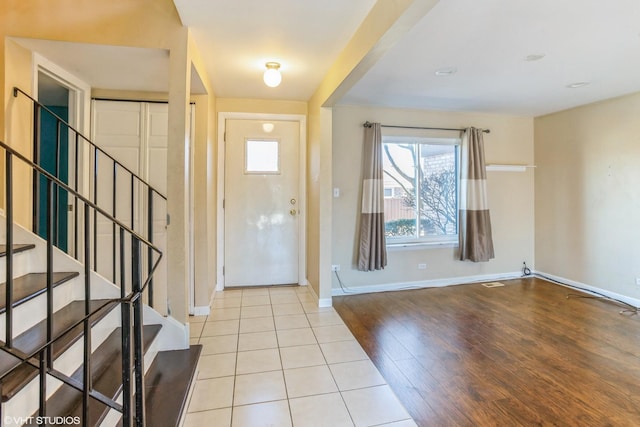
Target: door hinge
222, 203
223, 270
224, 137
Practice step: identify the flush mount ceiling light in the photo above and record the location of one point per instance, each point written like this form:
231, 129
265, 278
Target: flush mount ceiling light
534, 57
449, 71
577, 85
272, 76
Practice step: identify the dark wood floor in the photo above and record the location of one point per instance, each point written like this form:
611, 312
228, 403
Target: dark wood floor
522, 354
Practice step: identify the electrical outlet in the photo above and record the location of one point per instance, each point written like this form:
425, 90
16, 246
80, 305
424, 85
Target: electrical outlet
422, 266
637, 281
335, 267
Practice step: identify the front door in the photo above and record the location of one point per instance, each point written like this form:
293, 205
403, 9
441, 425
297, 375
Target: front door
261, 204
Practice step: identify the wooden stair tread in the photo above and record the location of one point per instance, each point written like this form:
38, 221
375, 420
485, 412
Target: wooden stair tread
20, 247
33, 338
106, 368
7, 361
167, 384
31, 285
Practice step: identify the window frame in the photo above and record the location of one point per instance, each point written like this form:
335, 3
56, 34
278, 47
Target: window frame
430, 240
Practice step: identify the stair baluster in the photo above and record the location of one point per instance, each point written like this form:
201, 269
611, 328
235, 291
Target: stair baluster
133, 343
9, 243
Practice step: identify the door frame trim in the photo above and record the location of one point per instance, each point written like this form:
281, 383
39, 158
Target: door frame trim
79, 118
302, 223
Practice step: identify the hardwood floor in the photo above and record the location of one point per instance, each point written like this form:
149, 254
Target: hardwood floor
522, 354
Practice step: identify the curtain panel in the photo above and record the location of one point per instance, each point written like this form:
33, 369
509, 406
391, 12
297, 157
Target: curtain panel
372, 254
474, 222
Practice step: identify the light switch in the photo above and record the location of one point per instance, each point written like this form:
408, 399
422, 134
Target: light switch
336, 192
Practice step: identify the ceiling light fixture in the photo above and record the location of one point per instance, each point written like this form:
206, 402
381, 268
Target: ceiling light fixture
449, 71
577, 85
272, 76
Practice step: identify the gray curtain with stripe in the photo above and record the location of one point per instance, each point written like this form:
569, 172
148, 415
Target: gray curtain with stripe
372, 254
474, 224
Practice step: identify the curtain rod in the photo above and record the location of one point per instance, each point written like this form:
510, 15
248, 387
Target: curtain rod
368, 125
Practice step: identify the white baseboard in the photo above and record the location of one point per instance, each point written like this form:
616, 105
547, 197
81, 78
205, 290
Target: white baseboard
201, 310
325, 302
583, 286
434, 283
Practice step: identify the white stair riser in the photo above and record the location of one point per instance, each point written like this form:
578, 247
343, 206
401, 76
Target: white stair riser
22, 264
172, 336
33, 311
26, 402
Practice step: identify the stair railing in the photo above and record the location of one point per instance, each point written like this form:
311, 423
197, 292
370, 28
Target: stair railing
132, 407
100, 163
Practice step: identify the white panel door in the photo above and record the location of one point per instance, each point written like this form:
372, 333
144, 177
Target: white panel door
261, 202
155, 171
118, 130
135, 134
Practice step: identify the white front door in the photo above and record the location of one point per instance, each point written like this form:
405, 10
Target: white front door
261, 206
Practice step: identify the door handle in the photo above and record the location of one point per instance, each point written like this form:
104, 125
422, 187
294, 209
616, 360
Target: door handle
293, 212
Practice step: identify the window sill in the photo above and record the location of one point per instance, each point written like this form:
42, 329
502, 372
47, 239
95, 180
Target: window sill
393, 247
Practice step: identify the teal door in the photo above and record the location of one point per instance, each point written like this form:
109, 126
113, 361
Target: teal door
53, 156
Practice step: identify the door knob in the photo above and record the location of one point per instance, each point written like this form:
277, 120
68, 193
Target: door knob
293, 212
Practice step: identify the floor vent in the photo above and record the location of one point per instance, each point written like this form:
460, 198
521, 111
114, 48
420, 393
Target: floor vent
492, 284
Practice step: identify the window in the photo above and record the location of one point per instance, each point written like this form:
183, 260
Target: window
261, 157
421, 177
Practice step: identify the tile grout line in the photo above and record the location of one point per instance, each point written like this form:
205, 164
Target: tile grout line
284, 379
307, 316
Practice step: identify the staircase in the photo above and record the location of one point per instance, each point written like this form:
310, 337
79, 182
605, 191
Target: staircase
78, 348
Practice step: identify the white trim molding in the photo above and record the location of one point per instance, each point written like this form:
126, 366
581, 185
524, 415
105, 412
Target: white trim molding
572, 284
322, 302
507, 168
423, 284
201, 310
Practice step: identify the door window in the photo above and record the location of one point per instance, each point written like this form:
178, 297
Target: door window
262, 156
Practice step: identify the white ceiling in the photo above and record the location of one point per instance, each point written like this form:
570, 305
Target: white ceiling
107, 67
111, 67
592, 41
236, 38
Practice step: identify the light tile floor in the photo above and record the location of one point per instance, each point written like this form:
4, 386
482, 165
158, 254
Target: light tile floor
271, 357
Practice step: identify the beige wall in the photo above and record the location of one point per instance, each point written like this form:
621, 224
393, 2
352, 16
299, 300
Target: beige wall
17, 134
266, 106
385, 24
135, 23
511, 196
112, 23
587, 195
205, 211
139, 23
